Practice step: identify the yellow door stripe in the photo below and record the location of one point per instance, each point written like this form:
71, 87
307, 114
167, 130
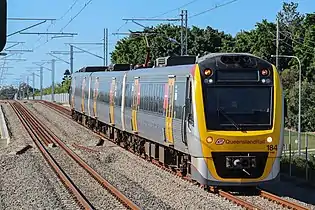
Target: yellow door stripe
169, 112
83, 94
135, 104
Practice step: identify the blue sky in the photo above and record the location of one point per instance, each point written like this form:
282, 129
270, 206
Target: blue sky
99, 14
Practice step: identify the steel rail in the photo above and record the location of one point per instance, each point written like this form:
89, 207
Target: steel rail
238, 201
124, 200
62, 176
45, 138
57, 107
281, 201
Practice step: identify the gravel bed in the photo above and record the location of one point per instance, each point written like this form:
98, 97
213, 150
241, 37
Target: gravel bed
99, 197
144, 183
262, 203
291, 192
26, 180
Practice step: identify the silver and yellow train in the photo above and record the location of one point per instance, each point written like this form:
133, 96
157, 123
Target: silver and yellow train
218, 119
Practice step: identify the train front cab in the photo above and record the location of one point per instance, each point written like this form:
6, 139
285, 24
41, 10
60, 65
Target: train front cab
239, 118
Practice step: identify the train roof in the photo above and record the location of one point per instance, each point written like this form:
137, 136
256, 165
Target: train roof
176, 63
213, 55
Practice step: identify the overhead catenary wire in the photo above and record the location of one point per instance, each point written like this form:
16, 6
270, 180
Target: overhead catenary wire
213, 8
53, 23
164, 13
70, 8
293, 40
85, 5
172, 10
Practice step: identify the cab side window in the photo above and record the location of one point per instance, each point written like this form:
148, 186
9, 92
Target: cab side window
189, 105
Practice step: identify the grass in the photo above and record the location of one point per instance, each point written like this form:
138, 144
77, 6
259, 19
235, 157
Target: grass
294, 136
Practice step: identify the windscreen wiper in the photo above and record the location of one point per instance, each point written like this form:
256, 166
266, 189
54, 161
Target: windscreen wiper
229, 119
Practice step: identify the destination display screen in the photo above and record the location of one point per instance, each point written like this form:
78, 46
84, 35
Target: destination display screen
237, 75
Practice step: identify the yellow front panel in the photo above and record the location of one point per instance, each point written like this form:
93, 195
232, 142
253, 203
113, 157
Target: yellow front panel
238, 141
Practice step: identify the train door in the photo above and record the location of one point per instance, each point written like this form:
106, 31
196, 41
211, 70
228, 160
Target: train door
135, 105
187, 117
169, 110
89, 96
96, 86
112, 94
83, 94
123, 102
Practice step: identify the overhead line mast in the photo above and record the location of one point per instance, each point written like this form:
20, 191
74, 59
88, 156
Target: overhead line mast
184, 27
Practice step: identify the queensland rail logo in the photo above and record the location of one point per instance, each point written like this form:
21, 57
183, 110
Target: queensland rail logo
219, 141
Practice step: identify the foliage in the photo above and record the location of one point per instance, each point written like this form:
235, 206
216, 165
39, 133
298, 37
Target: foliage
299, 161
298, 166
7, 92
59, 88
62, 87
297, 37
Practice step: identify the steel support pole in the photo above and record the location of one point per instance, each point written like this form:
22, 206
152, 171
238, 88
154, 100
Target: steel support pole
71, 59
182, 33
277, 46
27, 87
299, 123
106, 49
53, 80
41, 83
186, 32
33, 86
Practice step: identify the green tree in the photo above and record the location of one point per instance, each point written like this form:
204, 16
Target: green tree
7, 92
307, 109
132, 49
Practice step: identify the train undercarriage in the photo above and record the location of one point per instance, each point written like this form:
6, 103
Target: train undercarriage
163, 156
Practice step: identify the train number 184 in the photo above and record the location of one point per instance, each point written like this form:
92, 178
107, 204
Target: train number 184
272, 147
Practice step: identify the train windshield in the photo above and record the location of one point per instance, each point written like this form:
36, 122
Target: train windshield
238, 108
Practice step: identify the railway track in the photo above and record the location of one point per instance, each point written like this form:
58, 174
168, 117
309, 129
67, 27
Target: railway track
43, 138
248, 202
58, 108
262, 198
280, 201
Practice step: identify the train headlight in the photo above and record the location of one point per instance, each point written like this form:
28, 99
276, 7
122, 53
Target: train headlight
208, 72
265, 72
269, 139
209, 140
208, 81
